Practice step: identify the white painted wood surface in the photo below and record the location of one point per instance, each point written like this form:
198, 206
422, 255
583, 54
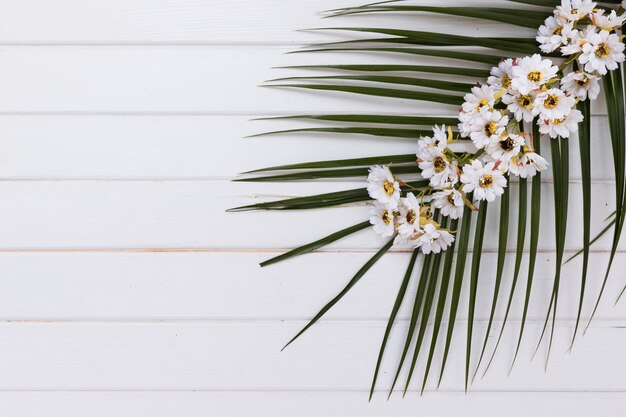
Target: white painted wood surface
127, 290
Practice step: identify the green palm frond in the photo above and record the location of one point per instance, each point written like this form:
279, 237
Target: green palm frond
461, 62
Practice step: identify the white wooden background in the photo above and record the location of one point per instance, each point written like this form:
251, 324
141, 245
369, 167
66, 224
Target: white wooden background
125, 288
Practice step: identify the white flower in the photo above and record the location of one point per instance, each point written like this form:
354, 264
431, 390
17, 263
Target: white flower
487, 127
607, 22
531, 73
486, 182
506, 148
433, 239
382, 186
561, 127
436, 167
439, 141
602, 52
577, 39
449, 202
575, 9
528, 165
382, 218
581, 85
409, 217
554, 33
501, 75
521, 105
481, 97
553, 104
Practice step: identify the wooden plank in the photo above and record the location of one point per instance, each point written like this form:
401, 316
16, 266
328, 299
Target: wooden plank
189, 21
308, 404
172, 80
196, 147
230, 285
246, 356
192, 215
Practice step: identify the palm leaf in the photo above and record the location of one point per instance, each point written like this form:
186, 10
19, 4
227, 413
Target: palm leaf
477, 255
392, 317
381, 92
560, 169
531, 19
375, 119
318, 243
502, 249
356, 278
535, 218
369, 131
462, 244
521, 240
340, 163
406, 82
584, 143
425, 315
415, 315
466, 72
441, 304
386, 79
614, 93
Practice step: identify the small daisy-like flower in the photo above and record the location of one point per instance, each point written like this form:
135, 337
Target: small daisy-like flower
409, 217
481, 96
607, 22
433, 239
439, 141
449, 202
488, 127
602, 52
382, 219
553, 104
502, 75
531, 73
527, 165
435, 167
561, 127
574, 10
521, 105
506, 148
554, 33
486, 182
577, 39
581, 85
382, 186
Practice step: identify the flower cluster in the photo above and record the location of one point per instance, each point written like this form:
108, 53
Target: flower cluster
408, 218
580, 30
493, 116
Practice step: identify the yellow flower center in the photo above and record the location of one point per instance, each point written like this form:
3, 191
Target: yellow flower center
535, 76
411, 217
525, 101
491, 128
482, 103
551, 101
602, 50
574, 11
389, 188
506, 81
558, 31
386, 217
486, 181
507, 144
439, 164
